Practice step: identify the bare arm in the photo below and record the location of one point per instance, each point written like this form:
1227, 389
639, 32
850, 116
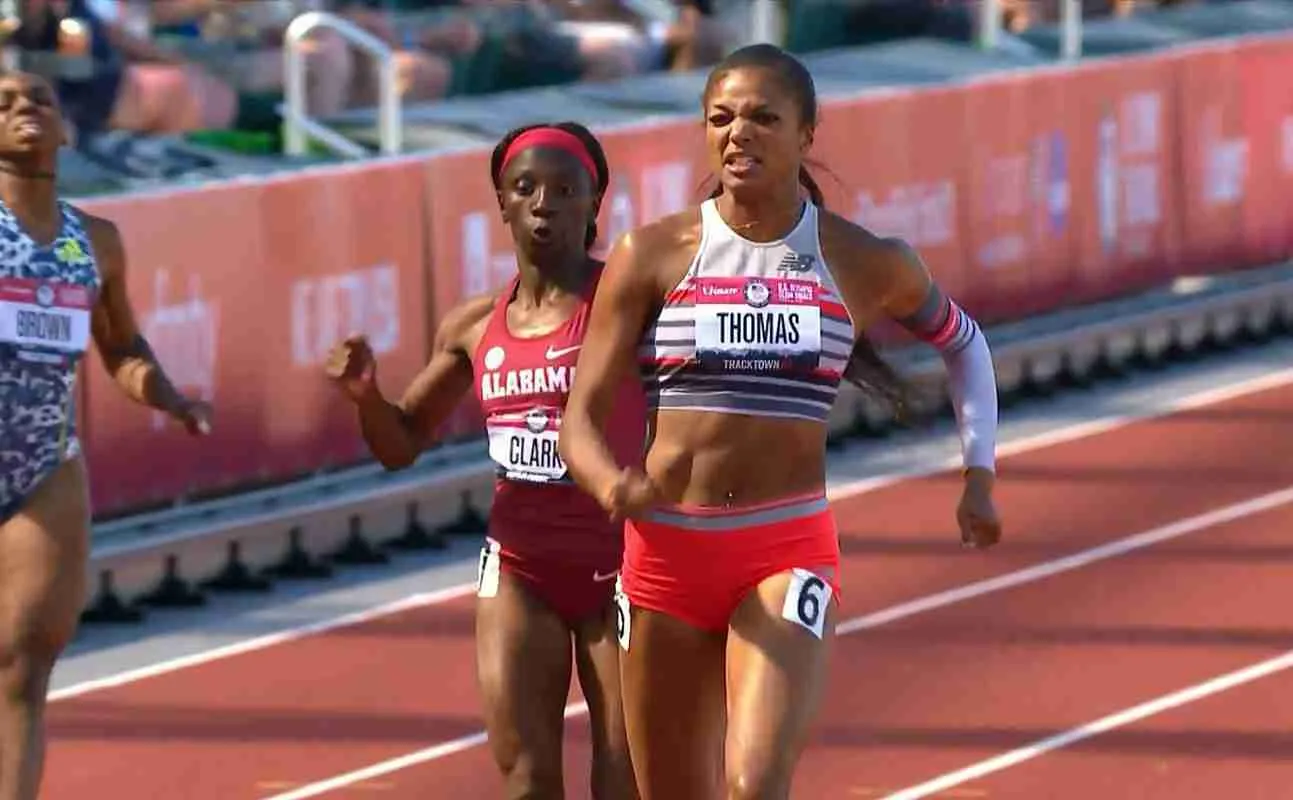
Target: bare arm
626, 296
397, 432
125, 353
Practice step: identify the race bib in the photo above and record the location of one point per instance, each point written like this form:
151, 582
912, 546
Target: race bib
807, 598
525, 448
36, 316
758, 324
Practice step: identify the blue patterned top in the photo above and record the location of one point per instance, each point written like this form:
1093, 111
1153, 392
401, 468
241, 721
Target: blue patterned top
46, 295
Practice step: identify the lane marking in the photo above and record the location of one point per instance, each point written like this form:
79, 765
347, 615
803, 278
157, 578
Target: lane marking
850, 489
920, 605
1127, 716
261, 642
1137, 541
412, 759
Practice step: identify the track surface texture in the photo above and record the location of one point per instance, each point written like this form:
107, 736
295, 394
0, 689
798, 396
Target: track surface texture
1139, 561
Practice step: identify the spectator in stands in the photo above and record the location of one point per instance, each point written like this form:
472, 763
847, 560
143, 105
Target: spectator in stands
135, 85
338, 76
429, 39
617, 39
206, 31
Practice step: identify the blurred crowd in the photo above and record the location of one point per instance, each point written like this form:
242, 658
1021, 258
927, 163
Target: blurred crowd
169, 66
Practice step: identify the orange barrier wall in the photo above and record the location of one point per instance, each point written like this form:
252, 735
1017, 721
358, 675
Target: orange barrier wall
1025, 193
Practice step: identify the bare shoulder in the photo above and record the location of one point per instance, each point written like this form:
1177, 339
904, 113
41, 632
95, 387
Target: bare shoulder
105, 238
658, 252
853, 248
872, 271
464, 324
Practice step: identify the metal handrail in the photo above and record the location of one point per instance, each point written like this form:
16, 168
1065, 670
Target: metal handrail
299, 123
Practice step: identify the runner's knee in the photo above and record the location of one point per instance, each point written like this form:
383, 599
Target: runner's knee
758, 778
24, 673
529, 776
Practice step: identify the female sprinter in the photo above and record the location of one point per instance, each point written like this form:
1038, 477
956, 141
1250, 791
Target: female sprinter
62, 283
744, 316
548, 570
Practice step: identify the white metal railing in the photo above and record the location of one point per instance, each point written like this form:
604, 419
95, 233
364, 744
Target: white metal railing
299, 123
989, 27
1071, 30
989, 24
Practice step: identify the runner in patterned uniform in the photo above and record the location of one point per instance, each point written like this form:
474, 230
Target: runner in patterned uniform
62, 284
547, 572
743, 316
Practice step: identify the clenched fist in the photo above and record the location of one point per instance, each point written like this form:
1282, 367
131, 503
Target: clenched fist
352, 365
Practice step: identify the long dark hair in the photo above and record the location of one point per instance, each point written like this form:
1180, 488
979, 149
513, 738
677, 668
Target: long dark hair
865, 369
586, 136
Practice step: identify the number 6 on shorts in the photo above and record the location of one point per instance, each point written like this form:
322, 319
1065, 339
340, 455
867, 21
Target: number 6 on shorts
807, 598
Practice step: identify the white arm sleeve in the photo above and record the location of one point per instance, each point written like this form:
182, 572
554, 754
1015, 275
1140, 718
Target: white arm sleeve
972, 384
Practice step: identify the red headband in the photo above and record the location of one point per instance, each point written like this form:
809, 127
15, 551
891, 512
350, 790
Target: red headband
551, 137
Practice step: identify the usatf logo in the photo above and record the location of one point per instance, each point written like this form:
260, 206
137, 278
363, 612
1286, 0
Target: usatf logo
757, 294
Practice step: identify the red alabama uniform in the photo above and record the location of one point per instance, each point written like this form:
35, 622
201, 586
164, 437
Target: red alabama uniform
543, 528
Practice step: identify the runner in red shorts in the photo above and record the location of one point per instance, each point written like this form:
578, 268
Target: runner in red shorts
548, 570
743, 316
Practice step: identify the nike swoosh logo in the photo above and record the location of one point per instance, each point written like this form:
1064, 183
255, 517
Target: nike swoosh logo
600, 578
553, 354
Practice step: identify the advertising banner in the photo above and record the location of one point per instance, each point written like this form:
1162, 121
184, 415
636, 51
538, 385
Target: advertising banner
241, 289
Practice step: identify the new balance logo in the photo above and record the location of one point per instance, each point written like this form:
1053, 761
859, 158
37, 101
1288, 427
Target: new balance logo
797, 262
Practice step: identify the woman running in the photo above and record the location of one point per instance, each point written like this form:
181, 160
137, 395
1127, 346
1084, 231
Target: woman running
547, 572
62, 283
743, 316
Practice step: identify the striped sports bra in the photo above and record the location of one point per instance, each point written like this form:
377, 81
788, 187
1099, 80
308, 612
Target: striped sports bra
754, 328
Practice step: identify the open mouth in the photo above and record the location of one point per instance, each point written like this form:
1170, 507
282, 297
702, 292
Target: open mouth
541, 233
28, 126
741, 162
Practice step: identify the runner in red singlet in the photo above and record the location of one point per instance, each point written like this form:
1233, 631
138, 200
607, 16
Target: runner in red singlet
548, 570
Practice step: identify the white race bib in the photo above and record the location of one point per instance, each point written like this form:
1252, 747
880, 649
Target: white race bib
758, 324
525, 449
44, 316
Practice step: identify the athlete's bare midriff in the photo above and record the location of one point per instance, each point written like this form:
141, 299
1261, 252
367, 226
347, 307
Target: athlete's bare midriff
705, 458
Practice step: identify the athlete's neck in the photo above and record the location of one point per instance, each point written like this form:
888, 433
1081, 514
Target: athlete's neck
540, 284
34, 200
764, 218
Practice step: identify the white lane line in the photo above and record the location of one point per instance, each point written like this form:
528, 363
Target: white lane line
403, 762
262, 642
920, 605
1023, 445
1127, 716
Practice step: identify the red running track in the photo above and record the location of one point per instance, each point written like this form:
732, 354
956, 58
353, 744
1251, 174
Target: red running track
910, 699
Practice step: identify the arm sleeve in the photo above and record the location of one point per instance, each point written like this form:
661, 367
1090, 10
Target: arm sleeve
972, 380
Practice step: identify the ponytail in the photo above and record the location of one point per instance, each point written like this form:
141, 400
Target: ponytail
814, 191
